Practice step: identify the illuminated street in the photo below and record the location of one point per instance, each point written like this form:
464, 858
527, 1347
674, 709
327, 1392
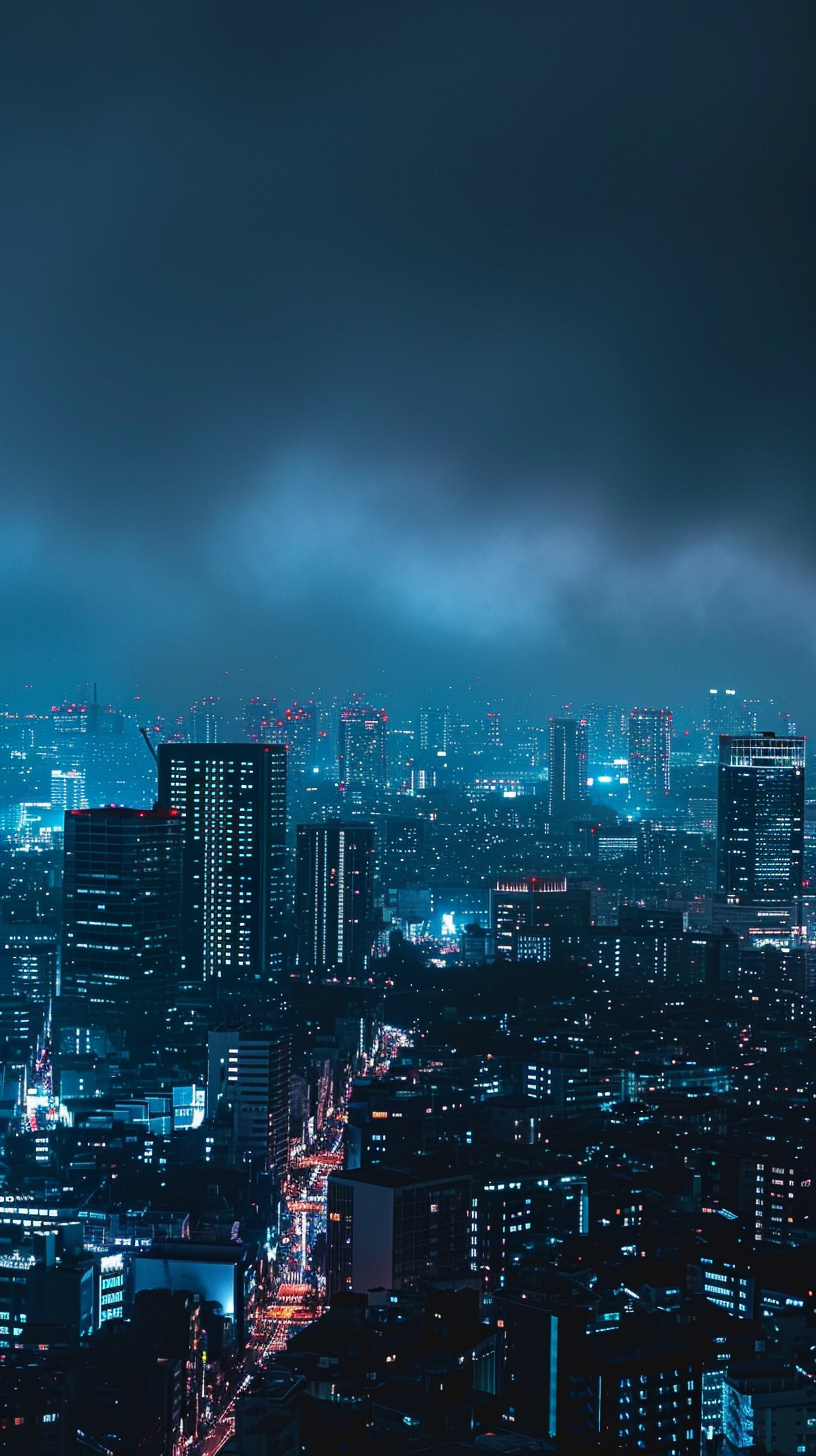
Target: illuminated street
297, 1294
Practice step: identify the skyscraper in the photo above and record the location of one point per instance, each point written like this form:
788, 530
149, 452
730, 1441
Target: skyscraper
760, 818
121, 919
493, 729
204, 722
649, 755
606, 732
296, 729
250, 1071
361, 748
259, 714
334, 896
68, 789
568, 763
232, 799
433, 734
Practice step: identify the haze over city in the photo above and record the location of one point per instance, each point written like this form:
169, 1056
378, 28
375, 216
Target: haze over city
390, 348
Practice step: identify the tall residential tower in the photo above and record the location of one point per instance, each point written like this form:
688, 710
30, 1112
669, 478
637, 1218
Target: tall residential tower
568, 763
650, 732
334, 897
122, 904
232, 800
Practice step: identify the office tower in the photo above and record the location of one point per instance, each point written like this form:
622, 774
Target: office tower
760, 818
28, 961
649, 756
334, 896
724, 715
204, 724
493, 730
434, 731
568, 763
249, 1073
68, 789
606, 735
259, 715
295, 729
361, 748
392, 1230
509, 1214
527, 909
121, 916
232, 799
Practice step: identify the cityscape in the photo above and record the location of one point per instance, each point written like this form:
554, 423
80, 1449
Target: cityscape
407, 708
425, 1084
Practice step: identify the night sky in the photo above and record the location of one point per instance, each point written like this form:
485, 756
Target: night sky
394, 346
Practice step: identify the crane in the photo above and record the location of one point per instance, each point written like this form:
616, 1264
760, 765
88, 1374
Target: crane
150, 747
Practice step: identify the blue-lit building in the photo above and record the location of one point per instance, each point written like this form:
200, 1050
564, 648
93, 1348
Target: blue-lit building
232, 801
760, 818
650, 731
121, 919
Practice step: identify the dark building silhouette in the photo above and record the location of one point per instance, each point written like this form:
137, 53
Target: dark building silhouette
122, 904
249, 1075
335, 895
568, 763
530, 909
391, 1230
760, 818
232, 799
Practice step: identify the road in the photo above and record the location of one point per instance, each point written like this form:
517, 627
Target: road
297, 1295
298, 1292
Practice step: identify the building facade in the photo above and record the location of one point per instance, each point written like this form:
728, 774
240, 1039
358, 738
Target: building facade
761, 818
334, 896
650, 731
249, 1073
568, 764
232, 801
122, 915
361, 751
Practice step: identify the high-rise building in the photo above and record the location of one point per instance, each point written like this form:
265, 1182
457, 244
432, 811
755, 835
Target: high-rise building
650, 732
392, 1230
760, 818
204, 722
232, 799
28, 961
121, 917
361, 748
568, 763
434, 731
606, 734
259, 715
68, 789
249, 1072
334, 896
296, 729
724, 715
527, 909
493, 729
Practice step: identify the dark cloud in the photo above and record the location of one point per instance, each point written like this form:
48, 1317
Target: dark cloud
392, 344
